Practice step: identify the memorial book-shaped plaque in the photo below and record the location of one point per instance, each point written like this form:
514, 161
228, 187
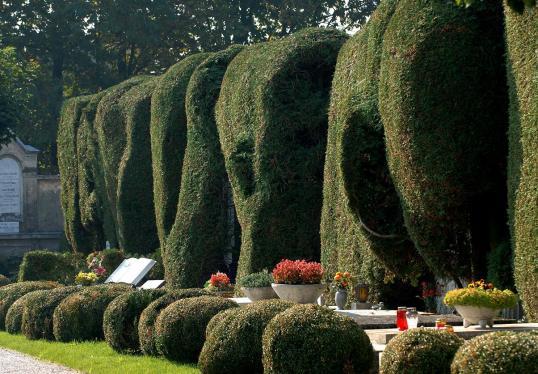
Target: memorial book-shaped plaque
131, 271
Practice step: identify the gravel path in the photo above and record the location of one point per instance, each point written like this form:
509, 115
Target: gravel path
12, 362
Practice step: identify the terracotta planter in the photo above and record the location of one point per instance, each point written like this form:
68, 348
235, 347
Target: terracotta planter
299, 293
259, 293
474, 315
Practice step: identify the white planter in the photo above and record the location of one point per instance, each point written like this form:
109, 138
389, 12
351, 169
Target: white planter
299, 293
259, 293
474, 315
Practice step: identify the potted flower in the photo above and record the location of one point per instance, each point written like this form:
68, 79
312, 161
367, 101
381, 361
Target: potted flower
341, 282
86, 279
298, 281
257, 286
479, 302
220, 284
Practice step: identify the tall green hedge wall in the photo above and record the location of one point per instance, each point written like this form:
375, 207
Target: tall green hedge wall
67, 163
198, 239
522, 61
169, 138
136, 228
442, 103
272, 122
361, 212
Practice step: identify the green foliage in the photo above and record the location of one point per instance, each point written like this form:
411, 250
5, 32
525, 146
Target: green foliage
14, 314
272, 121
4, 281
168, 139
80, 316
43, 265
146, 323
157, 271
418, 351
444, 122
516, 5
260, 279
120, 321
190, 316
199, 238
234, 342
112, 258
341, 345
498, 352
501, 267
37, 316
12, 292
522, 61
491, 298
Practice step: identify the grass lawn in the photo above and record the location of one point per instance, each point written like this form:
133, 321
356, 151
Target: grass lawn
92, 357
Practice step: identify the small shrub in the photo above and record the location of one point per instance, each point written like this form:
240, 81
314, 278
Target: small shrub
37, 316
4, 281
341, 346
80, 316
255, 280
498, 352
234, 338
43, 265
12, 292
482, 295
146, 324
420, 351
297, 272
14, 314
120, 321
189, 317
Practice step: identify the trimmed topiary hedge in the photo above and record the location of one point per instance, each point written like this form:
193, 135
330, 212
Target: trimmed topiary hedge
443, 107
522, 61
4, 281
136, 228
420, 351
14, 314
12, 292
189, 317
43, 265
146, 323
80, 316
341, 346
199, 237
234, 340
37, 316
120, 321
498, 352
272, 123
169, 138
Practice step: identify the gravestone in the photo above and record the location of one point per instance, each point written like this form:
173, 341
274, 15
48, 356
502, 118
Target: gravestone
131, 271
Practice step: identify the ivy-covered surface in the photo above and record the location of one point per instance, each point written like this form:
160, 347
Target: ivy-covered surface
136, 228
442, 103
197, 242
522, 64
272, 123
169, 138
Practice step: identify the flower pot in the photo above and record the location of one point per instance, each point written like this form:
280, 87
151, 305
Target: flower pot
340, 298
474, 315
259, 293
299, 293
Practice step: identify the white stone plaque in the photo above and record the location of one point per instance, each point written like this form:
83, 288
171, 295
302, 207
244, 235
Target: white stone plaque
131, 271
10, 186
152, 284
9, 227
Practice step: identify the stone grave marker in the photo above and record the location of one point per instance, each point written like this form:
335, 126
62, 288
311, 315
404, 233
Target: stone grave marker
131, 271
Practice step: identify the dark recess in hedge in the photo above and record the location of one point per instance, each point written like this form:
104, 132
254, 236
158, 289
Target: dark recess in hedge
169, 138
272, 123
200, 237
43, 265
442, 97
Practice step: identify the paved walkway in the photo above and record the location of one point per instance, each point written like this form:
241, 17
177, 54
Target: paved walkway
12, 362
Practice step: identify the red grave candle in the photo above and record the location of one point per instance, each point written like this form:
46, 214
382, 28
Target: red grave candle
401, 318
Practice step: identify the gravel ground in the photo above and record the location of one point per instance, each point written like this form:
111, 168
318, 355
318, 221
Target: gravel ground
12, 362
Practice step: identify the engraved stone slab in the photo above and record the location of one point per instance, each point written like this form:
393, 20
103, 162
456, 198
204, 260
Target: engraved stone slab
10, 187
131, 271
9, 228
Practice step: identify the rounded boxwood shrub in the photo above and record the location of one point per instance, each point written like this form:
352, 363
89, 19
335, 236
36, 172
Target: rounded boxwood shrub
80, 316
37, 317
445, 124
420, 351
314, 339
15, 312
180, 328
4, 281
498, 352
272, 123
200, 235
234, 340
120, 321
146, 323
43, 265
12, 292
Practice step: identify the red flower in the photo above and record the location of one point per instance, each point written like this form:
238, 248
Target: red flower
298, 272
219, 280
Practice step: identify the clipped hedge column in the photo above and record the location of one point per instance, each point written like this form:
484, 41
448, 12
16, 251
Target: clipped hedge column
169, 138
198, 239
522, 61
443, 107
272, 122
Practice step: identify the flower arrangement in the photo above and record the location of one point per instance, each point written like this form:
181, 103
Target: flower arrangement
297, 272
86, 279
219, 282
342, 281
481, 294
95, 264
256, 280
428, 294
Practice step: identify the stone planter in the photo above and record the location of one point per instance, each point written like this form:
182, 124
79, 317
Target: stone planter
259, 293
474, 315
299, 293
